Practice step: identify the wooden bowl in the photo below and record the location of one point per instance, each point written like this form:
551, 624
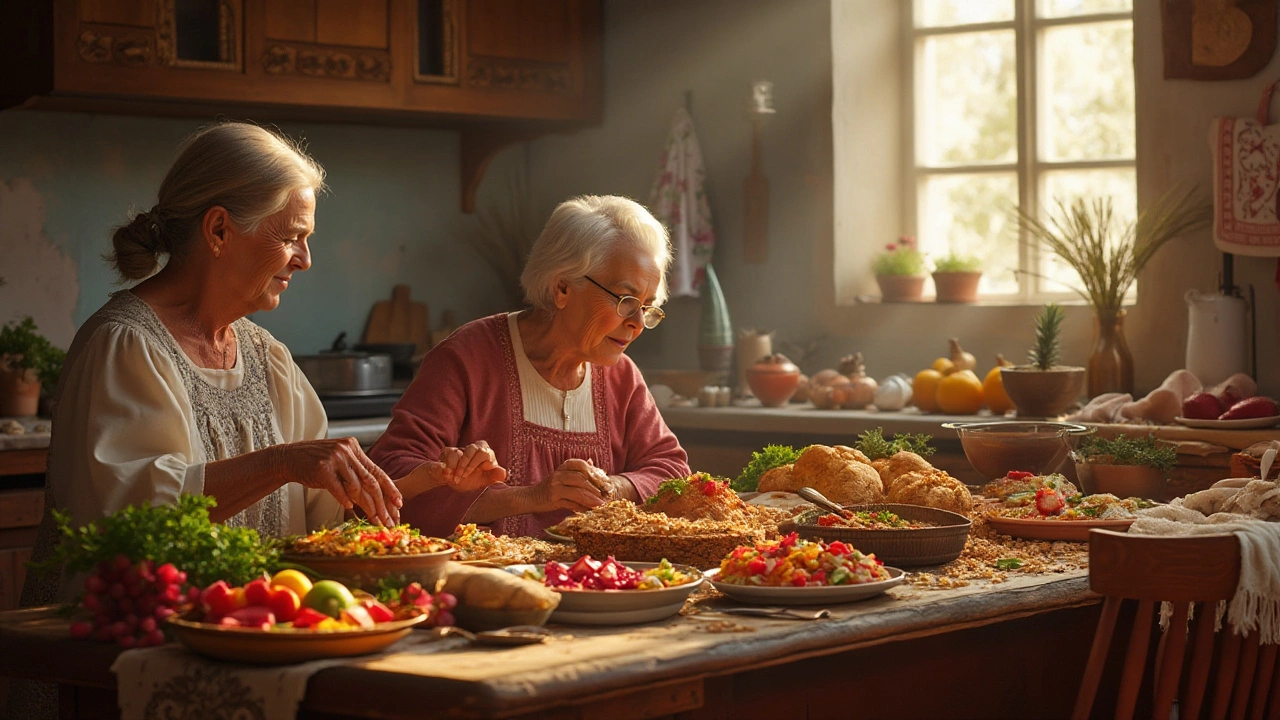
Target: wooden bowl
429, 569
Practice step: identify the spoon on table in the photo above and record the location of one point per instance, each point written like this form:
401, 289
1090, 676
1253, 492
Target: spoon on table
821, 501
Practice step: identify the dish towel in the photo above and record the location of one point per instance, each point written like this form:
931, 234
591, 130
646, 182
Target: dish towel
1256, 604
679, 201
171, 681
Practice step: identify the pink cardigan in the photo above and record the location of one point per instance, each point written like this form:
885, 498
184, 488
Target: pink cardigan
468, 389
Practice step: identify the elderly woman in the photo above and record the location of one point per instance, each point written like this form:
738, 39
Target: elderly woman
170, 389
550, 389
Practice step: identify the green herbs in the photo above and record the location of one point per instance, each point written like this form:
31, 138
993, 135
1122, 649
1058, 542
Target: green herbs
1008, 563
955, 262
874, 446
770, 457
180, 534
674, 486
22, 347
1125, 450
1044, 355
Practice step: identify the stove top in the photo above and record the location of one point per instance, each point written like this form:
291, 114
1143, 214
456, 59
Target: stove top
376, 404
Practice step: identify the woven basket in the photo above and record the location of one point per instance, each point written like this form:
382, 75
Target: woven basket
700, 551
900, 548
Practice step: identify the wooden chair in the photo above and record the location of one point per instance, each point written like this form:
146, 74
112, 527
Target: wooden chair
1181, 571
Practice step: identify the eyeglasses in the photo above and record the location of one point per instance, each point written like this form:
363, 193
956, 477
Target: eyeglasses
651, 315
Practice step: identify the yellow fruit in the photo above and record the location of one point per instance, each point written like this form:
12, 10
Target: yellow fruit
329, 597
944, 366
924, 390
294, 580
960, 393
993, 392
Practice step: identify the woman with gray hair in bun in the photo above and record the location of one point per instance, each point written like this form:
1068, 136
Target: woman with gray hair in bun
170, 389
548, 389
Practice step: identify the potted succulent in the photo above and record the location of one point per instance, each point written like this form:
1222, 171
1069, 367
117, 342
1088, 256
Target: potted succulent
956, 278
27, 361
1043, 388
1125, 466
900, 271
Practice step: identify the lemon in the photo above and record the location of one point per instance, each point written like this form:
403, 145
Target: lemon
329, 597
294, 580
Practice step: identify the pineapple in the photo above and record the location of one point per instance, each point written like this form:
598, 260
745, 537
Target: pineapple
1044, 355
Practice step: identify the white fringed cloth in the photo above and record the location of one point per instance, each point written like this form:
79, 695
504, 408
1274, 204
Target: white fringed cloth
1252, 514
679, 201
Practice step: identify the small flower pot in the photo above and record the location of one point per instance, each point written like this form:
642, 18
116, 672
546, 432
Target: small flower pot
900, 288
1042, 393
1123, 481
19, 393
957, 287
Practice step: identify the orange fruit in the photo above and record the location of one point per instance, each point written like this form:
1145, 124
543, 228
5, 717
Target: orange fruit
960, 393
993, 392
944, 366
924, 390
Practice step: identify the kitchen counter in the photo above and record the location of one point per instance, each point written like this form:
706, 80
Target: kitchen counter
700, 665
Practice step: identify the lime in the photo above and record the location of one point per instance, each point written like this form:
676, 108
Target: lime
294, 580
329, 597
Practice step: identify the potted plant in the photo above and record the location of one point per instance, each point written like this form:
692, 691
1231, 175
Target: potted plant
27, 361
1125, 466
900, 271
1043, 388
956, 278
1086, 236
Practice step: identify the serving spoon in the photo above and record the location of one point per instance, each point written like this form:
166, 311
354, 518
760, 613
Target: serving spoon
821, 501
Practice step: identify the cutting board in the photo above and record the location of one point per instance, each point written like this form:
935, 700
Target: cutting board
399, 320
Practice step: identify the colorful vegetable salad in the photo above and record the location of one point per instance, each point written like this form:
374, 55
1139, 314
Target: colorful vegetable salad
800, 563
589, 574
360, 538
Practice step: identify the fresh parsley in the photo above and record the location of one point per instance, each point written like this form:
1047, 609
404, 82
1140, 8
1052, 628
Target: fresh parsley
1126, 450
874, 446
181, 534
770, 457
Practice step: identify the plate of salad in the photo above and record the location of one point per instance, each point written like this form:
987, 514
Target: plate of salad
793, 571
607, 592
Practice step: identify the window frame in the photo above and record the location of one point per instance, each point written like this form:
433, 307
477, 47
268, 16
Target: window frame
1029, 168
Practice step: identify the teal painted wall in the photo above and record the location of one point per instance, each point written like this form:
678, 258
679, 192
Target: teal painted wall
392, 215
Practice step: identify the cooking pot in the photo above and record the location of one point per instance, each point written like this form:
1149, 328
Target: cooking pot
340, 372
402, 365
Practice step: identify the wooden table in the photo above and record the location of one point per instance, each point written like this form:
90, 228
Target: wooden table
1016, 649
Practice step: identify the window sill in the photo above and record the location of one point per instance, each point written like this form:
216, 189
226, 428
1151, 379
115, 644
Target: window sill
981, 302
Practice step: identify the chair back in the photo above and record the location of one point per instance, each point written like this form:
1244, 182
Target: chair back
1186, 572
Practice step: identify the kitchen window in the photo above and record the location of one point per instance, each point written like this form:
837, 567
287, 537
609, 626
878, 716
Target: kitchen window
1024, 102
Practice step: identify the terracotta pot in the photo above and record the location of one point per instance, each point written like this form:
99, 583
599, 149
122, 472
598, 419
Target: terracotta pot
1042, 393
19, 393
900, 288
1123, 480
957, 287
773, 380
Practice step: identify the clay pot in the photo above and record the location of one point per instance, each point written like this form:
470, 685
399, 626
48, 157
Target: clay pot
900, 288
957, 287
773, 379
19, 393
1123, 480
1042, 393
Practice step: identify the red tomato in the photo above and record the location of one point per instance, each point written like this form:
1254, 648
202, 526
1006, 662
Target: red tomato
258, 592
284, 602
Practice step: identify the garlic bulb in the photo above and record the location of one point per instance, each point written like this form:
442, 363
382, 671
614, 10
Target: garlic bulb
893, 393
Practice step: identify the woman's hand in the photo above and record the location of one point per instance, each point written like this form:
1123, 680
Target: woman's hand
575, 485
340, 467
472, 467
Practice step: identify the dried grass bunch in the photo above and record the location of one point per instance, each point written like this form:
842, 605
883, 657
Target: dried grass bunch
1086, 235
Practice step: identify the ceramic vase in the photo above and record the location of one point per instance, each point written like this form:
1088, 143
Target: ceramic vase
774, 380
1110, 366
715, 331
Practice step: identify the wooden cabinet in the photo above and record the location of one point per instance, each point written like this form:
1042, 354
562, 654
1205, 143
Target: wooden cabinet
21, 509
500, 70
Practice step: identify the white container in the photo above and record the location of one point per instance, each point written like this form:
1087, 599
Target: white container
1217, 345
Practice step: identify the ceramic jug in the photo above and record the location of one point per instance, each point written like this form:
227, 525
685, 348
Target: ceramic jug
1216, 337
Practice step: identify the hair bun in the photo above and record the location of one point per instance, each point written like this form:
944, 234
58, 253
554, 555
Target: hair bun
137, 247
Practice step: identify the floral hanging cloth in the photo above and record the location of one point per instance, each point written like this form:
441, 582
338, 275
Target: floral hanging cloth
679, 201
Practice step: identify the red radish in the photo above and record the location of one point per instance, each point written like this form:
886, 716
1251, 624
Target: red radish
1201, 406
1254, 407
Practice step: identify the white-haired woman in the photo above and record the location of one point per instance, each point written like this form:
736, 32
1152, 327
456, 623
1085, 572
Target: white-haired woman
549, 388
169, 389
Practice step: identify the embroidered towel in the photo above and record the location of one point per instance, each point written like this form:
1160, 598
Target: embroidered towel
679, 201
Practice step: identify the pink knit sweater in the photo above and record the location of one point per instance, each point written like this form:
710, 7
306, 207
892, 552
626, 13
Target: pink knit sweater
468, 389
